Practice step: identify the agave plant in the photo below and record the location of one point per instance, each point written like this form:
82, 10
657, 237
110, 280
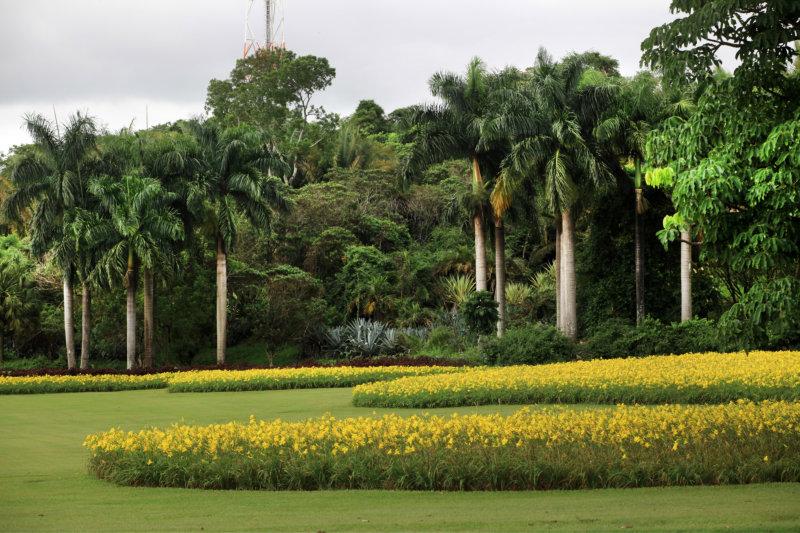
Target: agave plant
417, 333
391, 340
457, 289
336, 338
366, 337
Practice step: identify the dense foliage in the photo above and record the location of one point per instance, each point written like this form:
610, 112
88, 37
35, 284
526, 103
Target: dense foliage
519, 200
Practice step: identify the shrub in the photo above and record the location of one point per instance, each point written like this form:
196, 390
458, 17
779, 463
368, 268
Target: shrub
480, 312
288, 309
624, 446
529, 345
617, 338
364, 281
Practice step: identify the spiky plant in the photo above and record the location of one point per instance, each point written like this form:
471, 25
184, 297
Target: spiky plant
457, 288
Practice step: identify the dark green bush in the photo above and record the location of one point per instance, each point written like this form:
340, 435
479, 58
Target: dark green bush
529, 345
617, 338
480, 312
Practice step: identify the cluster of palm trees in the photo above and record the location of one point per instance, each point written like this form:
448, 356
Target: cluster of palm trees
107, 209
542, 140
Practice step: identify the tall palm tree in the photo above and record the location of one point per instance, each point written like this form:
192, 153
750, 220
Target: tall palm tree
640, 107
171, 157
51, 179
136, 228
457, 128
555, 147
232, 180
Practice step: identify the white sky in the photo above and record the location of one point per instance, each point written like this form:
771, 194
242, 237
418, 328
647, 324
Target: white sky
113, 58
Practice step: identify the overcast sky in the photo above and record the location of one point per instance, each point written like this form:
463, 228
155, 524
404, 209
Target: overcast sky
114, 57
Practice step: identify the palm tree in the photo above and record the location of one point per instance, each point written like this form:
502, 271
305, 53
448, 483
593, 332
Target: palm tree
457, 128
135, 230
641, 106
51, 179
232, 180
554, 146
171, 158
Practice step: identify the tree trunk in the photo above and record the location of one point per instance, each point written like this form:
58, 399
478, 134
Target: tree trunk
500, 275
639, 259
69, 322
480, 253
2, 346
86, 324
557, 266
222, 301
686, 275
130, 333
569, 313
480, 237
147, 279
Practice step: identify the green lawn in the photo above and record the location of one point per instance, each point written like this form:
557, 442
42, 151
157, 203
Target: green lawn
44, 484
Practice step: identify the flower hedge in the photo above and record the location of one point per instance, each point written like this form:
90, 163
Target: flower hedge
81, 383
554, 448
294, 378
217, 380
691, 378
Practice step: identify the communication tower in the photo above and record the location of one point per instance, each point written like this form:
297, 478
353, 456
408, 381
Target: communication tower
269, 24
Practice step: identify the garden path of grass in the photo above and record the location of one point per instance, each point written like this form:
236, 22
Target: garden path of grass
44, 485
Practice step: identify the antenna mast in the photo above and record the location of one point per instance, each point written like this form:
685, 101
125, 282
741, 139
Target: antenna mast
273, 27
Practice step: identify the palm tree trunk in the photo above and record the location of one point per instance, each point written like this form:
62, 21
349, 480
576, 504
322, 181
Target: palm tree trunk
69, 321
86, 324
639, 259
569, 313
500, 274
147, 279
686, 275
130, 333
480, 237
2, 346
558, 272
222, 301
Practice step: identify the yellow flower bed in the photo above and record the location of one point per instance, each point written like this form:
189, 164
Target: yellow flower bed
217, 380
691, 378
81, 383
294, 378
619, 446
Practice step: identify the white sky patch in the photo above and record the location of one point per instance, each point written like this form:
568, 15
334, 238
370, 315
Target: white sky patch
113, 57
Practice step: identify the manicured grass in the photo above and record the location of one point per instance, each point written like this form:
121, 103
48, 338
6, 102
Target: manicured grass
44, 484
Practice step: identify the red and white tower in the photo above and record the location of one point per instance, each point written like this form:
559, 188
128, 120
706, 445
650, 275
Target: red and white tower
269, 24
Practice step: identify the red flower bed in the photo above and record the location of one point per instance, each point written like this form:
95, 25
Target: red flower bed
358, 362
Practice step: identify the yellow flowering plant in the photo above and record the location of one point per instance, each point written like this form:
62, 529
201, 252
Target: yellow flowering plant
217, 380
81, 383
295, 378
690, 378
552, 448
